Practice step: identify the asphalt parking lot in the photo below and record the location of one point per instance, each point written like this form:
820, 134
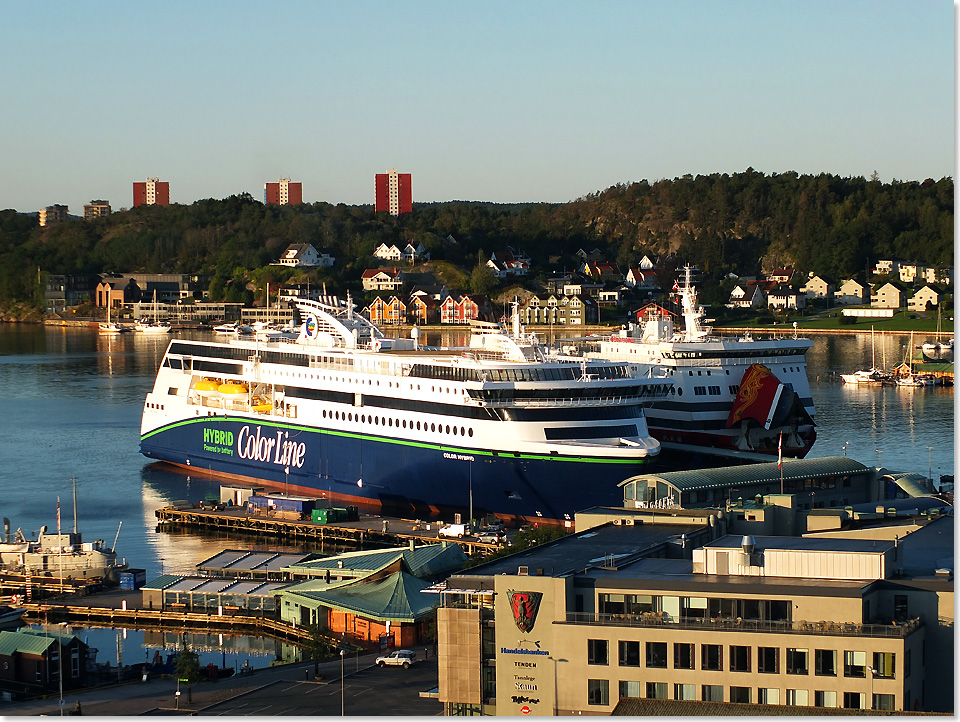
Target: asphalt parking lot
370, 692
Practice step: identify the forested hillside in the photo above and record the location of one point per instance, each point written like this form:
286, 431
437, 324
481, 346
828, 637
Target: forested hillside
742, 222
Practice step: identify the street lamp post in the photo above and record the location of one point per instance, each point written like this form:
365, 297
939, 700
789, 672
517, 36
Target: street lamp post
845, 445
342, 654
873, 673
556, 691
60, 626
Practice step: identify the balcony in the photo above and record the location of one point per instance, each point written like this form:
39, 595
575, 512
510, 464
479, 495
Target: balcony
650, 619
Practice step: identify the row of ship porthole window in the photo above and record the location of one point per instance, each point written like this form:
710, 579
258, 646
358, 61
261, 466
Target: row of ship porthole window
368, 382
155, 406
399, 423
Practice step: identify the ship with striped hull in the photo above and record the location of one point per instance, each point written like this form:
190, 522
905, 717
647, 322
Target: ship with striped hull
344, 412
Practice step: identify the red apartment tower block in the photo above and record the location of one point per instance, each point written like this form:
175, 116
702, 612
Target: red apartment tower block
283, 193
153, 192
394, 194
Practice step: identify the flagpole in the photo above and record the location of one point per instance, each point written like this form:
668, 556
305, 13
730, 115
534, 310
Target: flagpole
60, 546
780, 460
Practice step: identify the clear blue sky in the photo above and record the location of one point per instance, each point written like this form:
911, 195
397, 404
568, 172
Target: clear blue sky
493, 100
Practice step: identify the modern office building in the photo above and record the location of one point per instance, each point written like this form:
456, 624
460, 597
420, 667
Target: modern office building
52, 215
95, 209
393, 193
633, 608
152, 192
283, 193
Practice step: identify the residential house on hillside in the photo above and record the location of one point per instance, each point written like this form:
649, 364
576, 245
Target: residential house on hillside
888, 266
581, 288
611, 297
413, 253
536, 311
594, 255
508, 263
747, 295
781, 275
938, 274
304, 255
557, 283
782, 297
818, 287
466, 308
888, 295
851, 293
647, 263
641, 279
387, 253
928, 297
382, 279
601, 270
911, 272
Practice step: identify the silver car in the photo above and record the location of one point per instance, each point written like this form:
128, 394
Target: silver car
398, 658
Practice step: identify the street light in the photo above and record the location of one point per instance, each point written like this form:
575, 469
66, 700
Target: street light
556, 692
342, 654
873, 674
845, 445
60, 626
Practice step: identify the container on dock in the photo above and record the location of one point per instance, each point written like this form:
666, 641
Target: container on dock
238, 495
133, 578
320, 516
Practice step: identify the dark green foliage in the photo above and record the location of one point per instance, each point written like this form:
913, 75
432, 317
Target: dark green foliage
722, 223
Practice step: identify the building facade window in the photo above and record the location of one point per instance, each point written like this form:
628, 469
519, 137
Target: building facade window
684, 691
657, 655
854, 664
883, 701
683, 655
797, 697
825, 662
597, 651
629, 689
797, 661
629, 654
711, 693
853, 700
656, 690
768, 660
740, 695
739, 658
711, 656
598, 691
824, 698
884, 665
768, 695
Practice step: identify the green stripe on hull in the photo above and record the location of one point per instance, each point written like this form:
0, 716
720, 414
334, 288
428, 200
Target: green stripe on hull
401, 442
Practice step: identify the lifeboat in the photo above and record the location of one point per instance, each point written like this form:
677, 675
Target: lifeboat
207, 386
232, 388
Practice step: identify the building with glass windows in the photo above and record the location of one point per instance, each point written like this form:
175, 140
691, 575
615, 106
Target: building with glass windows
674, 612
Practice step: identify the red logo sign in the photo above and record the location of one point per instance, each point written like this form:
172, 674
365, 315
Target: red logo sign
524, 710
525, 606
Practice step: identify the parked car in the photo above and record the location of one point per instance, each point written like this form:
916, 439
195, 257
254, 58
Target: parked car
453, 530
491, 537
494, 525
398, 658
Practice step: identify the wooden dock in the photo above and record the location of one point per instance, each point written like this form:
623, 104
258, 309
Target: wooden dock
363, 534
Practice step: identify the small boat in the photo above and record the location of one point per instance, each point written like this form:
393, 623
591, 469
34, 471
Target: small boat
225, 328
10, 616
145, 325
870, 376
108, 327
914, 380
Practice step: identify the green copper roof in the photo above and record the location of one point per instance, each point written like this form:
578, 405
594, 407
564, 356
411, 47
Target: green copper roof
422, 561
396, 598
732, 476
26, 643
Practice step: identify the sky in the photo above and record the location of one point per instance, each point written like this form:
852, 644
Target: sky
498, 100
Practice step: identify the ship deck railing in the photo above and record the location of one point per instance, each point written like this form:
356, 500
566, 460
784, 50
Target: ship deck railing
654, 619
556, 402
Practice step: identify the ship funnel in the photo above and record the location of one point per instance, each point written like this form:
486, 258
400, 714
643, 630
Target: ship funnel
748, 544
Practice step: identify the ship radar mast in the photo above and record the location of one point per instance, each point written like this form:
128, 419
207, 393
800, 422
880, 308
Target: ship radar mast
692, 313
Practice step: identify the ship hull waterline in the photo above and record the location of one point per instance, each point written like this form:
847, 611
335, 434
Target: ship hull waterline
396, 476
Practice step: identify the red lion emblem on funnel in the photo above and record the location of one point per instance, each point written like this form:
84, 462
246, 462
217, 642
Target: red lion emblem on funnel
525, 606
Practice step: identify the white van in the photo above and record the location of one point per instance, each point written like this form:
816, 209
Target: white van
453, 530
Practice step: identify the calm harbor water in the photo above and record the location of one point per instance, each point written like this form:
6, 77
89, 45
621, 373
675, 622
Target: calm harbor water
70, 403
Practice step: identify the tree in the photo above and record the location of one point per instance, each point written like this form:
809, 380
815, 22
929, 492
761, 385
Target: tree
317, 646
482, 280
187, 668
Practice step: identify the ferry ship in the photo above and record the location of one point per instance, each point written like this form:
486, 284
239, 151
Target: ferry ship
346, 413
735, 393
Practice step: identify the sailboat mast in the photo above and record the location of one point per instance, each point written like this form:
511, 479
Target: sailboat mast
75, 528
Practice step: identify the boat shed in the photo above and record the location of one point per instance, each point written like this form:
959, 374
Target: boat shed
208, 594
251, 564
834, 481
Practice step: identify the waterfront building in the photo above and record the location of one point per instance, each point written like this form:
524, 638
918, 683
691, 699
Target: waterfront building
64, 290
35, 663
382, 279
51, 215
667, 612
394, 194
95, 209
283, 193
152, 192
